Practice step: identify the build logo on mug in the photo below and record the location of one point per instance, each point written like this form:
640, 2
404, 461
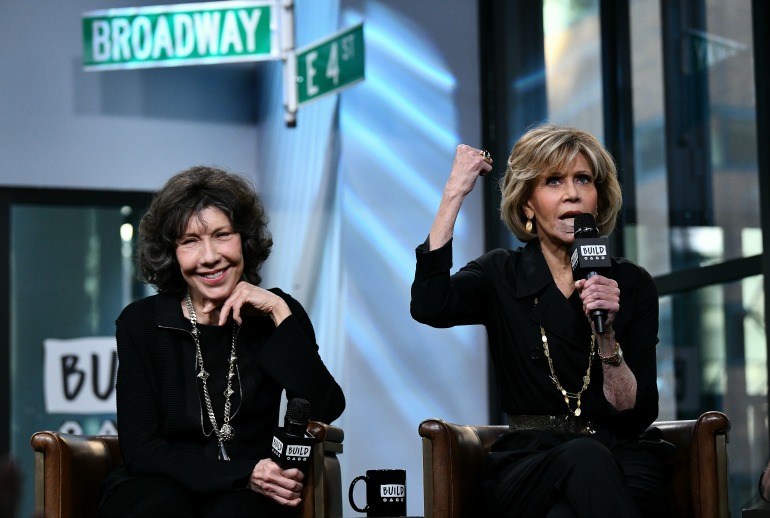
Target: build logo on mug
385, 493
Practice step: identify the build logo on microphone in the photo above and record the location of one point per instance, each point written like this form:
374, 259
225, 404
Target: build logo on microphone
595, 252
277, 446
574, 259
297, 452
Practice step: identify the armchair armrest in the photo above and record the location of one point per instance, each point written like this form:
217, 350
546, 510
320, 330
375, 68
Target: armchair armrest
453, 464
69, 470
698, 485
323, 487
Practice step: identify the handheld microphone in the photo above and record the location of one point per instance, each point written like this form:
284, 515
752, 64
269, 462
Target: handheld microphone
292, 446
589, 256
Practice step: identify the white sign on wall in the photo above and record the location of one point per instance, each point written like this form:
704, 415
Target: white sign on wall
80, 375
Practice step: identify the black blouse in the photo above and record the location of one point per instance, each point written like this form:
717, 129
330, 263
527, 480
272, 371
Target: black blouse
499, 289
158, 403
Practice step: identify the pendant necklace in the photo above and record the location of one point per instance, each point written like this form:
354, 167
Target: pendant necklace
555, 380
226, 432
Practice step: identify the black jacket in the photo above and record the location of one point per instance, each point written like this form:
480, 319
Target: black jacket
498, 290
158, 402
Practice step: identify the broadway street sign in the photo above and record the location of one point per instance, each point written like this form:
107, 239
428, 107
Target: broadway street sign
182, 34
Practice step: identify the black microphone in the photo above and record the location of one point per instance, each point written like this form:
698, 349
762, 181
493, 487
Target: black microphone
590, 256
291, 444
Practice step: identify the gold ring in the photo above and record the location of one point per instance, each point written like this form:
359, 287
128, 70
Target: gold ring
485, 154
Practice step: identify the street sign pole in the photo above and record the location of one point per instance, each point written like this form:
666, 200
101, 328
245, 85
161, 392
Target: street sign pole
289, 63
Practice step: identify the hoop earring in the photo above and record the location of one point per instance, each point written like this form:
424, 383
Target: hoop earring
528, 226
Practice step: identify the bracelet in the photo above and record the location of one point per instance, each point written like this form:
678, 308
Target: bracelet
616, 357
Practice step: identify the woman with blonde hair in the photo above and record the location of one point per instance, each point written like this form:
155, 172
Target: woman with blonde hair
579, 399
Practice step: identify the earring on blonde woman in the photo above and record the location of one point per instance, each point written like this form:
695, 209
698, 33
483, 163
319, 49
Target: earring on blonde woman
528, 225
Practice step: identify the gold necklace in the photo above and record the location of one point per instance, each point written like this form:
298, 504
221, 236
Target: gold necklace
586, 379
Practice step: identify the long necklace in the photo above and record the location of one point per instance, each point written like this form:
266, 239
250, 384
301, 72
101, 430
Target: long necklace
226, 432
555, 380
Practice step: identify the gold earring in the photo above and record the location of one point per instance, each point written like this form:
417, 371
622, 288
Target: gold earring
528, 226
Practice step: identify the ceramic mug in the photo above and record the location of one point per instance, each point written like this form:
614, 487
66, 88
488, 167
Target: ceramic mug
385, 493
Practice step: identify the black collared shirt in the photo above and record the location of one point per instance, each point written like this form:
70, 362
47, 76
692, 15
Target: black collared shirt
158, 408
498, 290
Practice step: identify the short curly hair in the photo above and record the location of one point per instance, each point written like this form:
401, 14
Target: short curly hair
185, 195
542, 150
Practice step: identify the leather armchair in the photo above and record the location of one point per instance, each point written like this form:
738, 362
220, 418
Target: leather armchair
69, 470
453, 461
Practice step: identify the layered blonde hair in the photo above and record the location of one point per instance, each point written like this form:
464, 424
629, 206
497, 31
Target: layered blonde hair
544, 149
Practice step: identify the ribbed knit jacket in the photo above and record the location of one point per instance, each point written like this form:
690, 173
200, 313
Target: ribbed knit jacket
158, 407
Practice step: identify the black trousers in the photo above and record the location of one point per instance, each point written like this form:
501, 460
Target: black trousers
580, 478
152, 496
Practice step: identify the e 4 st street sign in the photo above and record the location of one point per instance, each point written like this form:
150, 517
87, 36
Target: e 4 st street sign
330, 65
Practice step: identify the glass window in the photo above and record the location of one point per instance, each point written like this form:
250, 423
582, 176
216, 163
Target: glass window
703, 125
573, 64
697, 204
724, 53
651, 203
713, 343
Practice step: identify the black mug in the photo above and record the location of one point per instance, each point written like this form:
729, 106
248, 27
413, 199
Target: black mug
385, 492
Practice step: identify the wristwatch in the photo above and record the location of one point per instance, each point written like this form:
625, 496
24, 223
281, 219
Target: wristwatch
615, 359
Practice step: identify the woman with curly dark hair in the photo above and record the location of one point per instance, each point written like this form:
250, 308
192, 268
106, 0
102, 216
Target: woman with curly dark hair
203, 364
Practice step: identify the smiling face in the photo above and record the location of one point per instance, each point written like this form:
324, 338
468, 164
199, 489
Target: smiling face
558, 197
210, 257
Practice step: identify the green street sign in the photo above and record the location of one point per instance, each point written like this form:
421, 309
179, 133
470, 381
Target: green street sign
330, 65
182, 34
